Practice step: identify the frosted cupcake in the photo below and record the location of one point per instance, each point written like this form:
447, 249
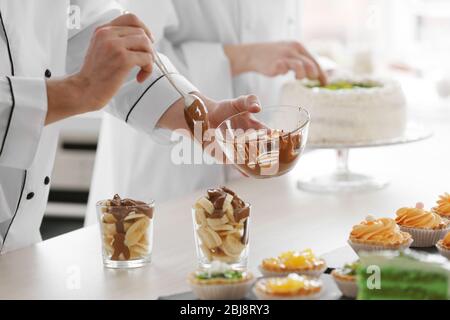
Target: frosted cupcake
443, 206
220, 282
345, 279
377, 235
300, 262
291, 287
443, 246
426, 227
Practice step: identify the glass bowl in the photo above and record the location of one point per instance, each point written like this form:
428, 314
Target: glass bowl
265, 144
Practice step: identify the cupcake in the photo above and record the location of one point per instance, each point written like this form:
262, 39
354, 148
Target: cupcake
291, 287
443, 206
426, 227
443, 246
220, 282
345, 279
377, 235
300, 262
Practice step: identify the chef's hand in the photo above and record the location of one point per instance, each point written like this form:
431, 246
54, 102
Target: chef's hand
273, 59
218, 111
115, 49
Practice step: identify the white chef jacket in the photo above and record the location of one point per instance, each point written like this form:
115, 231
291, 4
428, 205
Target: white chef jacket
192, 34
35, 42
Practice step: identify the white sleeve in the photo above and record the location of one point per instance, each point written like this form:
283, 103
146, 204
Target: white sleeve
23, 108
139, 104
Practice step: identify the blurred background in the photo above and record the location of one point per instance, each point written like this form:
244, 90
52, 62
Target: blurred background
403, 39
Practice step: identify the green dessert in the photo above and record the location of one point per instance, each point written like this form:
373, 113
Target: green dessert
228, 275
403, 276
343, 85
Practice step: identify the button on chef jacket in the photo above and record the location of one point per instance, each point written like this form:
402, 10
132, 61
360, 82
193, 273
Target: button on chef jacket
35, 37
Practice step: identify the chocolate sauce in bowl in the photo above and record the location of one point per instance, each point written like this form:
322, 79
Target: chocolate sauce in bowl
272, 154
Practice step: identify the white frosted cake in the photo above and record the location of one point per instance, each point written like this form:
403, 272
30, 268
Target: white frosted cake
350, 111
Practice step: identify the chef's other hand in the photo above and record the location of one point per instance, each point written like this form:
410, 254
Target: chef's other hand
114, 50
273, 59
218, 111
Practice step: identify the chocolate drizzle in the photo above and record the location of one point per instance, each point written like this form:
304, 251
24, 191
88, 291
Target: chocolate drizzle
197, 113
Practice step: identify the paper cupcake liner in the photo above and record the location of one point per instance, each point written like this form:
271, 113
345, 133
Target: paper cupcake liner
348, 288
232, 291
424, 237
264, 296
443, 251
311, 273
359, 247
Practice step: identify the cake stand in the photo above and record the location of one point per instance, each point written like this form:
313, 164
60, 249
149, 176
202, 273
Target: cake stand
342, 179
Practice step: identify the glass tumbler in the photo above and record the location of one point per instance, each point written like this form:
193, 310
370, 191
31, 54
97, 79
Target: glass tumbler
127, 234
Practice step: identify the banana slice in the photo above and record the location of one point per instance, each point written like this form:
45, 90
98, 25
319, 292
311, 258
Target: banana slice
227, 201
223, 227
200, 217
230, 213
217, 222
133, 215
206, 204
136, 231
109, 218
137, 252
232, 246
109, 229
224, 258
206, 252
209, 237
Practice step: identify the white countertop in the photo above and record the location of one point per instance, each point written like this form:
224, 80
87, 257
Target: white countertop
70, 266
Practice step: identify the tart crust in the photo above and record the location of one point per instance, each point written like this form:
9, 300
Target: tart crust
343, 277
247, 276
303, 292
406, 239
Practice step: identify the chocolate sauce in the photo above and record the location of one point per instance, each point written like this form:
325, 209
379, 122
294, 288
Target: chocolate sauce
197, 113
268, 155
120, 209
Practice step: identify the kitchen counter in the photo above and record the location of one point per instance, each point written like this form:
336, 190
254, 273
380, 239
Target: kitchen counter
283, 218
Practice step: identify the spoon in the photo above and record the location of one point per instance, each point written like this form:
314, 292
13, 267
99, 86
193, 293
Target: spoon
195, 112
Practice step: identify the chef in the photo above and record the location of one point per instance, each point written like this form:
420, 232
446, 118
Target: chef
226, 48
49, 72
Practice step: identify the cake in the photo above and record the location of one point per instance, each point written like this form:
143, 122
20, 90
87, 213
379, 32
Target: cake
378, 235
300, 262
350, 110
426, 227
405, 275
220, 282
291, 287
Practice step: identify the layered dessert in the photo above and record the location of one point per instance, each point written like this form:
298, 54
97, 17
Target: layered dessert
266, 153
378, 234
345, 279
300, 262
403, 275
220, 282
425, 227
221, 227
291, 287
442, 207
126, 228
443, 246
356, 110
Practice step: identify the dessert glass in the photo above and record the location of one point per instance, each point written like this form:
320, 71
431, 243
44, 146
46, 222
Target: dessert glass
265, 144
230, 246
127, 233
